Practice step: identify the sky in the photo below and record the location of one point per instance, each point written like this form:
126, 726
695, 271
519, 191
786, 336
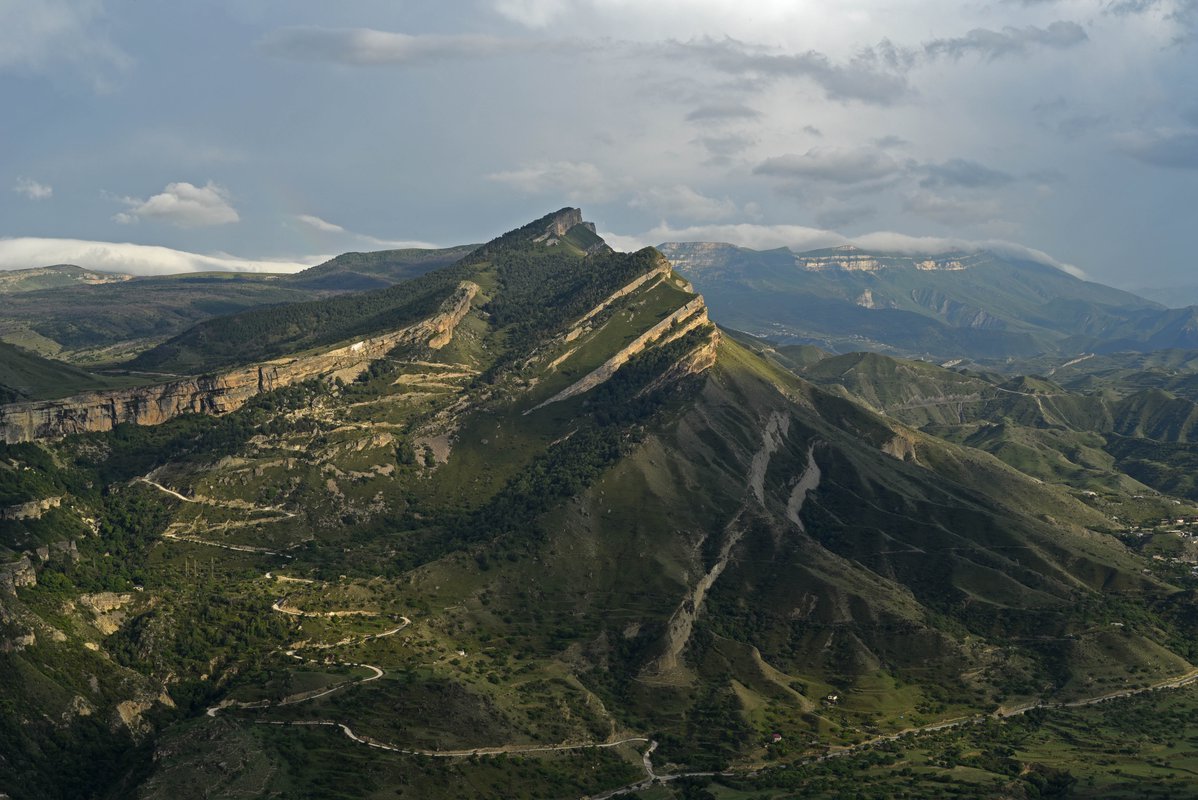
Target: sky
270, 134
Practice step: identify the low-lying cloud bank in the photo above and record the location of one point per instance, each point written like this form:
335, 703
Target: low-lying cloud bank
134, 259
800, 238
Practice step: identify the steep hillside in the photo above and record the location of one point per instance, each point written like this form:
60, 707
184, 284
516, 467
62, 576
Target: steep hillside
28, 376
577, 539
974, 305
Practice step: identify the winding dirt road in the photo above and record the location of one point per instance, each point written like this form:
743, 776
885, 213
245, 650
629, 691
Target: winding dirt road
303, 697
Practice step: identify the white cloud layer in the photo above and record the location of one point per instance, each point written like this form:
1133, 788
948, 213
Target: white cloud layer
32, 189
324, 226
800, 238
184, 205
317, 224
134, 259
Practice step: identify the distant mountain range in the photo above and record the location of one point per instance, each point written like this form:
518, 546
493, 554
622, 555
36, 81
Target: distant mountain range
96, 318
978, 305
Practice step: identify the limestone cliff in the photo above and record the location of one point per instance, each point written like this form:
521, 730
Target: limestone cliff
221, 392
682, 321
17, 574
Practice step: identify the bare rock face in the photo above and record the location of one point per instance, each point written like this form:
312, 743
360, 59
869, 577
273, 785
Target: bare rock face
34, 509
108, 610
566, 220
222, 392
17, 574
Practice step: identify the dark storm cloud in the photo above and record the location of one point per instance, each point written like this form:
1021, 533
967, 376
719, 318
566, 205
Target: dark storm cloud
992, 44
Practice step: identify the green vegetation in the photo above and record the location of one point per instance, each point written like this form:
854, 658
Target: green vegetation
27, 376
704, 548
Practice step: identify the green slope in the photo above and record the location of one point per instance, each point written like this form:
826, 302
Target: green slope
28, 376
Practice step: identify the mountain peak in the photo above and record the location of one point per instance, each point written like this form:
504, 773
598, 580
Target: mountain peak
562, 221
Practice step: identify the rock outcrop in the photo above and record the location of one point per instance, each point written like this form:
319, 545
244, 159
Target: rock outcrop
685, 319
564, 220
34, 509
17, 574
221, 392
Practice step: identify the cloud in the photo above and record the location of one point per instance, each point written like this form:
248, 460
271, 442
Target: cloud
888, 141
316, 223
889, 241
683, 201
32, 189
531, 13
991, 44
724, 147
370, 47
1056, 115
964, 173
38, 35
876, 75
831, 164
1173, 149
573, 179
723, 112
758, 237
324, 226
184, 205
952, 211
841, 215
134, 259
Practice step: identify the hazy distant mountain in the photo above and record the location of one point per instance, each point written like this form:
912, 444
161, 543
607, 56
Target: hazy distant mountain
59, 275
977, 305
1173, 297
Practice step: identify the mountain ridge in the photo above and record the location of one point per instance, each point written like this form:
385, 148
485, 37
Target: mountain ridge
978, 305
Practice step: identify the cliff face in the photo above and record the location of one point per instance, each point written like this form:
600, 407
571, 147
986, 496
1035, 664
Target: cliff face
564, 221
222, 392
